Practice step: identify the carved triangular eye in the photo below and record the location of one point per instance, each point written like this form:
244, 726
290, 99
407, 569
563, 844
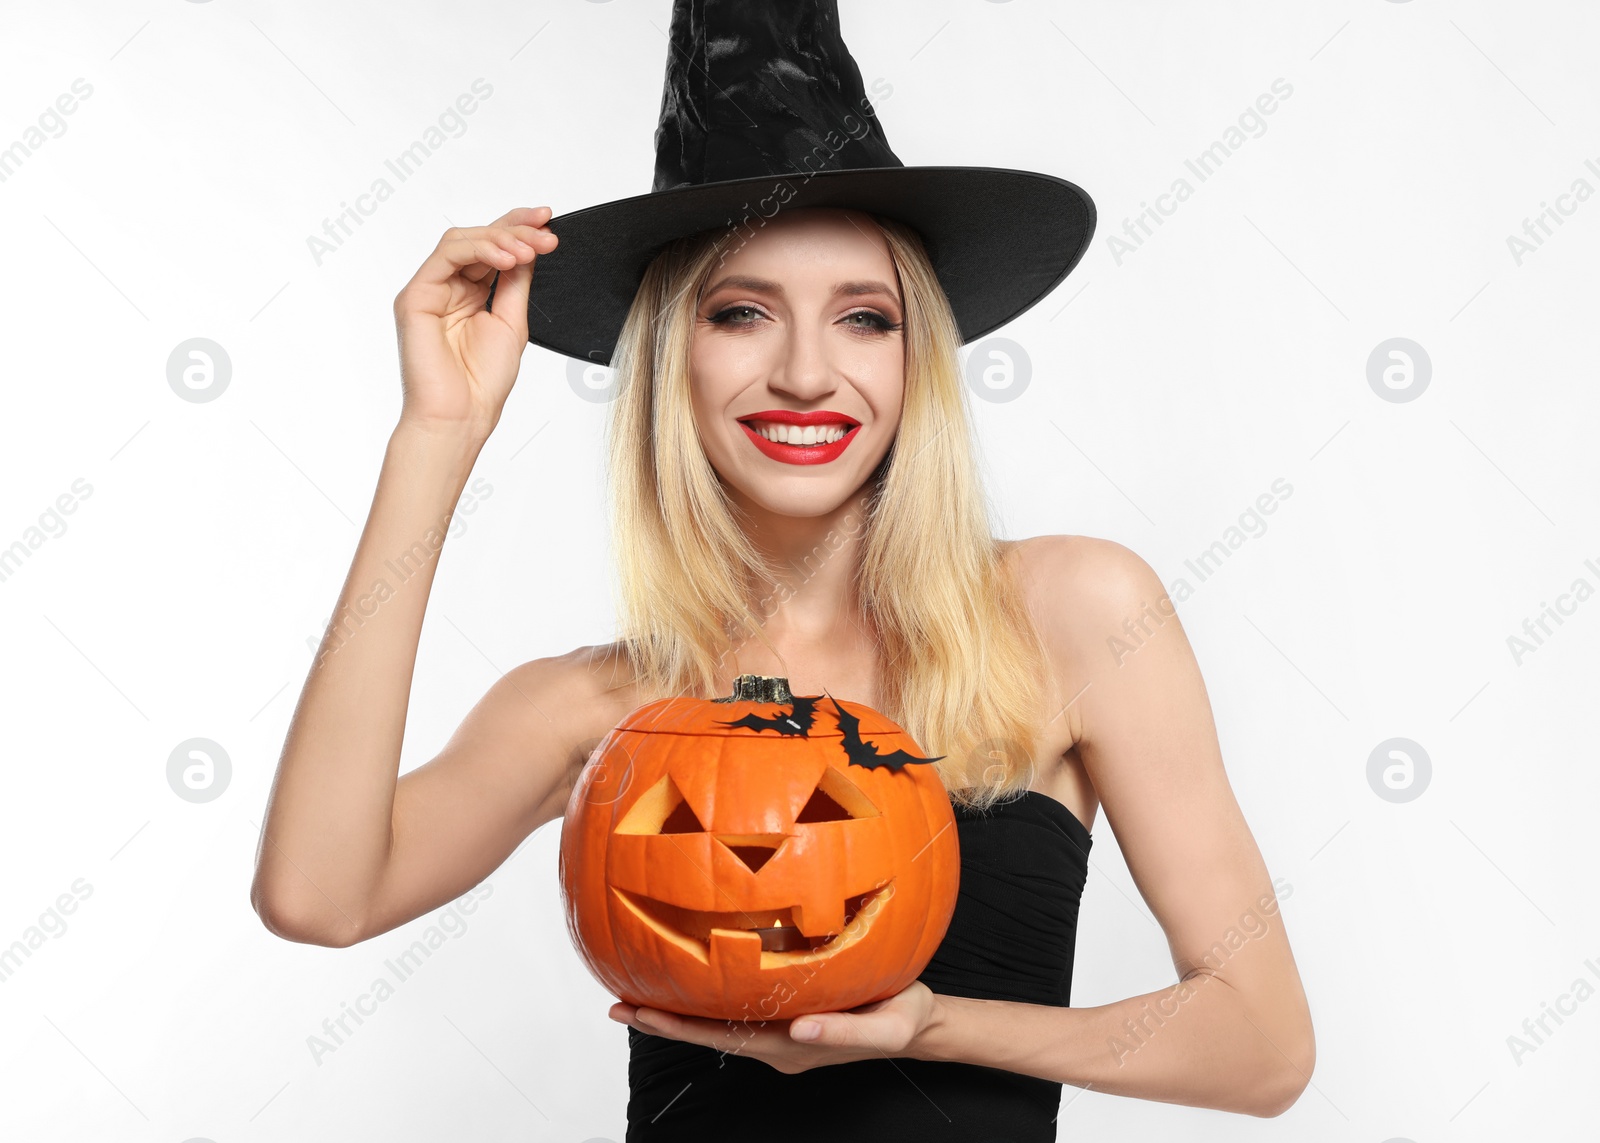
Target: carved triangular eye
661, 809
836, 799
682, 820
821, 808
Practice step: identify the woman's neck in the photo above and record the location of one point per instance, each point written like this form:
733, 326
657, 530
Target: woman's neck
813, 608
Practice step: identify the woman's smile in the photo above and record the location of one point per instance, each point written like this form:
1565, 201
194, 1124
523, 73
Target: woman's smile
800, 438
781, 342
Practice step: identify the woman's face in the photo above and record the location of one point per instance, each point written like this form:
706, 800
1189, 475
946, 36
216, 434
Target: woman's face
803, 320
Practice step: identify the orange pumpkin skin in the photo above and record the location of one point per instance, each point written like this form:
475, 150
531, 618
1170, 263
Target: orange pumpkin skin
786, 834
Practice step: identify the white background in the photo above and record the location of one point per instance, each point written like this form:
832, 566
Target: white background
1170, 386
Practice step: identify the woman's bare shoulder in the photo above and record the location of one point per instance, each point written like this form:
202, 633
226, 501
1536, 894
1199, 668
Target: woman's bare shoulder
1081, 571
594, 679
603, 667
1084, 593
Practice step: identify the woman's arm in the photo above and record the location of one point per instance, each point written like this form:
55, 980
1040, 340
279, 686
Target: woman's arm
1235, 1032
326, 836
333, 828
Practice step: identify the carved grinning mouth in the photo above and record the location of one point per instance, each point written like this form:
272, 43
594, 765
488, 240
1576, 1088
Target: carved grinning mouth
766, 937
695, 930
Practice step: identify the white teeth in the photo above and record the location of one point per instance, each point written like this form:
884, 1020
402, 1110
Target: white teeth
796, 435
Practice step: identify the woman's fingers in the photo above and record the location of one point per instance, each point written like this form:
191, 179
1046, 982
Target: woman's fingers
510, 303
524, 216
526, 227
459, 353
476, 252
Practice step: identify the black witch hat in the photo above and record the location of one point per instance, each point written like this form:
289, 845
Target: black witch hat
763, 109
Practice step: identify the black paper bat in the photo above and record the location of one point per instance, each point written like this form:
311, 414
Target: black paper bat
866, 753
797, 721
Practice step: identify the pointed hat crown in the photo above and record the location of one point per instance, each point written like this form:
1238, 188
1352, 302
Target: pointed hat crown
763, 109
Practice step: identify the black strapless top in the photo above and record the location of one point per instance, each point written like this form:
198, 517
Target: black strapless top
1023, 868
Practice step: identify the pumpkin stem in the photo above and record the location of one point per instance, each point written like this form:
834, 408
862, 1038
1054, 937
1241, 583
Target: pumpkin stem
759, 688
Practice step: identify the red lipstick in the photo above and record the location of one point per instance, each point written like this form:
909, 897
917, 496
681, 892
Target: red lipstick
801, 454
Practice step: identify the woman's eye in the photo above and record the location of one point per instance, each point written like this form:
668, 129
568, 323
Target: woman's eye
871, 322
874, 321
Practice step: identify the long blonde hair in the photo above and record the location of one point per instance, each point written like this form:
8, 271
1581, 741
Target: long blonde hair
963, 666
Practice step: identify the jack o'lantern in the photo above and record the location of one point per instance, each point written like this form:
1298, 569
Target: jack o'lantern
759, 856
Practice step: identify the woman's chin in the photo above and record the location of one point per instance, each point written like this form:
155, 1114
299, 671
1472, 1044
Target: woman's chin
802, 499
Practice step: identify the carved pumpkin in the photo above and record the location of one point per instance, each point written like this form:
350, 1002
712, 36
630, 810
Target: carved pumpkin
758, 857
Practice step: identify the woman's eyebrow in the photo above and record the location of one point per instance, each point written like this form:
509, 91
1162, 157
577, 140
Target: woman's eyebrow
850, 289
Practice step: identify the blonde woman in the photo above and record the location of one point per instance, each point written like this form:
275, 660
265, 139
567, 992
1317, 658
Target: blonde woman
795, 494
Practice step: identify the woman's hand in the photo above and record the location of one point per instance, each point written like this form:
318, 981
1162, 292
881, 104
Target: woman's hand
888, 1027
459, 360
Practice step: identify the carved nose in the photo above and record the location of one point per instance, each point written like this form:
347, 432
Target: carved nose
755, 850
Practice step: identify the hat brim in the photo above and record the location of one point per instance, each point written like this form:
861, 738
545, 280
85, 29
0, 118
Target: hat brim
999, 241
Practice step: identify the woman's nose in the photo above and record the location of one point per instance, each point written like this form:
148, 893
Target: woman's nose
805, 370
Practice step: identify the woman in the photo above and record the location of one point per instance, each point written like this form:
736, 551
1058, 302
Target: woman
1052, 674
349, 853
